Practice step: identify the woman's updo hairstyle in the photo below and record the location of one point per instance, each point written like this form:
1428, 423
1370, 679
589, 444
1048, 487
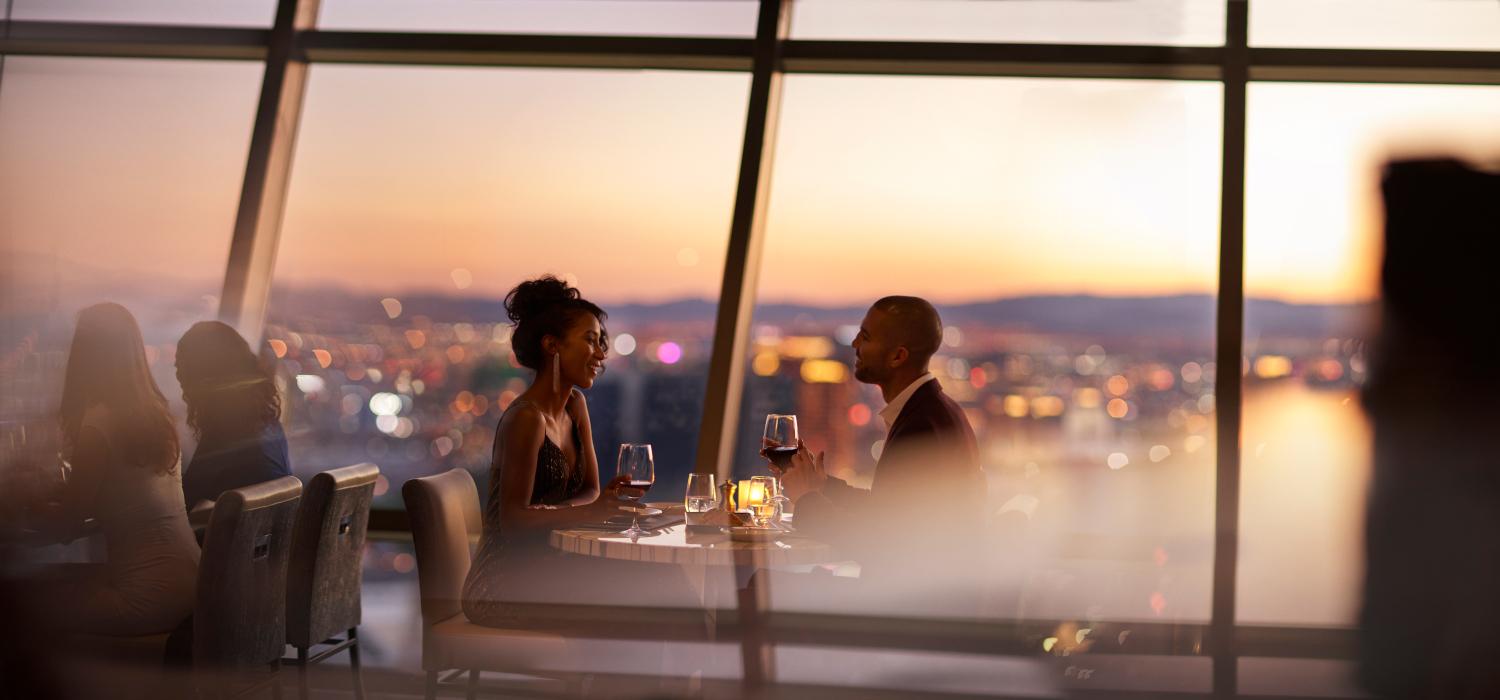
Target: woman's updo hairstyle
542, 307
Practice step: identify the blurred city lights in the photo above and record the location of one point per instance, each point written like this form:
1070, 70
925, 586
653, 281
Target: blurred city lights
958, 368
392, 307
1046, 407
1272, 366
1162, 379
624, 344
806, 347
1192, 372
824, 371
1117, 460
859, 414
324, 358
765, 364
385, 404
278, 347
953, 337
310, 384
669, 353
1160, 452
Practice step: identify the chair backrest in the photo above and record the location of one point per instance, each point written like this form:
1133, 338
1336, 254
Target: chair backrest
328, 543
444, 512
240, 615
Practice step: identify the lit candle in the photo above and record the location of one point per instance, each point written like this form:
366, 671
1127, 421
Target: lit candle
751, 493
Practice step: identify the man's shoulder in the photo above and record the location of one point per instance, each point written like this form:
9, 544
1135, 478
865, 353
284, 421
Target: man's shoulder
932, 406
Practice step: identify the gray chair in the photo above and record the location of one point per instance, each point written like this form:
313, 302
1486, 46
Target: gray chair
325, 572
444, 511
239, 620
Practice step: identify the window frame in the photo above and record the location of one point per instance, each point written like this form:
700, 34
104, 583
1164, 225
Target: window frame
293, 42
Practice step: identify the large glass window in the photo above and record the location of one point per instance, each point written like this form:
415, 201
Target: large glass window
1067, 231
119, 183
420, 196
245, 13
1312, 253
707, 18
1174, 22
1376, 24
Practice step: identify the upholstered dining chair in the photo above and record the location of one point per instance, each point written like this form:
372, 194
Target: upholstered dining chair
239, 619
325, 572
444, 512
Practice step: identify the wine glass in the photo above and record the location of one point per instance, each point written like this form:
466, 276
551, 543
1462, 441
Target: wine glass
638, 466
779, 442
702, 493
778, 445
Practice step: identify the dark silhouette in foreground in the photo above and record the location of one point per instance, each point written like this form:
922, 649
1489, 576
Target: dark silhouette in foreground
1432, 584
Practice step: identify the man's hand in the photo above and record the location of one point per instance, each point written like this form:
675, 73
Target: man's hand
806, 474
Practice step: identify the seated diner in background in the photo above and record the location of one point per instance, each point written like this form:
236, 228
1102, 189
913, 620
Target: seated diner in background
122, 446
234, 412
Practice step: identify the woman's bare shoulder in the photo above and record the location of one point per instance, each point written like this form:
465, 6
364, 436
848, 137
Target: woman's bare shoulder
522, 419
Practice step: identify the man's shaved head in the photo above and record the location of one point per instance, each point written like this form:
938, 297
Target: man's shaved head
897, 338
914, 324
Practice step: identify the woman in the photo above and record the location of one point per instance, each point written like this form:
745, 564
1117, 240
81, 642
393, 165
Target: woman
543, 473
122, 444
233, 410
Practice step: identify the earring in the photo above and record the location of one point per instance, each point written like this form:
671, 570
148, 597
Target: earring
556, 372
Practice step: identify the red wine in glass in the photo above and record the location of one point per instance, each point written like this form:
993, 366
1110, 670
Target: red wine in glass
779, 455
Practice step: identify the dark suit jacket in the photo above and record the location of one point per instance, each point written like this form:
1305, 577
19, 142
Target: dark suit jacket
924, 507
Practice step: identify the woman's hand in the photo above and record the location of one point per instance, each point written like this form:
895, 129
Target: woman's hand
619, 488
609, 503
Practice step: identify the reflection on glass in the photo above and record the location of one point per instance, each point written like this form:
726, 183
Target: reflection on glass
119, 182
236, 13
1376, 24
706, 18
420, 196
1067, 232
1312, 252
1173, 22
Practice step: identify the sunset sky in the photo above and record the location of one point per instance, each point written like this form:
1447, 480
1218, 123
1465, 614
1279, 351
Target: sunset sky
118, 171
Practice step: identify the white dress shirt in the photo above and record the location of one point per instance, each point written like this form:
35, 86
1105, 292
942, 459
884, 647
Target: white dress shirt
893, 409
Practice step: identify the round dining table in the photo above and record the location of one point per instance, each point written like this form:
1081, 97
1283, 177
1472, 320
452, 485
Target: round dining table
674, 544
704, 548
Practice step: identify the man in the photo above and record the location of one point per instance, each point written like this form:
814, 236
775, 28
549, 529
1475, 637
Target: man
923, 508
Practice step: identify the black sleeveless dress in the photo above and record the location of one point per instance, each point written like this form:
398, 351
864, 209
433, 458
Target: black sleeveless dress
511, 566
